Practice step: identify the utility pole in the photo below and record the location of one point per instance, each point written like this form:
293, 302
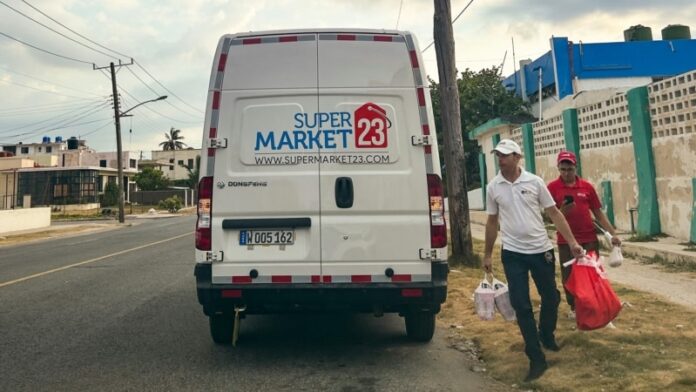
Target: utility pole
460, 227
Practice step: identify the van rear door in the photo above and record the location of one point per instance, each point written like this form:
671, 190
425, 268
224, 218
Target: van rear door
266, 205
373, 184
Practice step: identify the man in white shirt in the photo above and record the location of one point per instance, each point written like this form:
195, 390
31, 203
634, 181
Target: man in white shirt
515, 198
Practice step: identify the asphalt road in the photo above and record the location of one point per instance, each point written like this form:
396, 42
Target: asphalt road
117, 310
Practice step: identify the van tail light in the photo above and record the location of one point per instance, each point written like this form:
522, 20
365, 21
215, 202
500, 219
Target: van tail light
204, 210
438, 227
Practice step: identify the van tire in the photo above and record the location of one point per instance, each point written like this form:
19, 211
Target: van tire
221, 328
420, 326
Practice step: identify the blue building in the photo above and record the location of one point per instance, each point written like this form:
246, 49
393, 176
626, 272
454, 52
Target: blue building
569, 68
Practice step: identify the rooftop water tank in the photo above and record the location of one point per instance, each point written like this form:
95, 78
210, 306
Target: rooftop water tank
73, 143
638, 33
59, 139
46, 139
676, 32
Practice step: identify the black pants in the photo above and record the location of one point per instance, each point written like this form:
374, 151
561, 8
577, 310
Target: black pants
543, 270
564, 254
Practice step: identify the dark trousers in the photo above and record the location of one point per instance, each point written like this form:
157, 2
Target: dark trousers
542, 267
564, 254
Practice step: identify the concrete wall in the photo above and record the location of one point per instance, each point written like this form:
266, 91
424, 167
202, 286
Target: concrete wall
24, 219
174, 171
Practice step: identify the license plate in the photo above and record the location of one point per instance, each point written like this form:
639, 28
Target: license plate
266, 237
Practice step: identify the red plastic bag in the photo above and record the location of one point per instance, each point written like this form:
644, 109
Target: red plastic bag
596, 303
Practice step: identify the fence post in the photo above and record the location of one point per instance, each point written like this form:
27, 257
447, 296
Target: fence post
528, 143
496, 140
608, 201
641, 130
571, 132
483, 172
693, 211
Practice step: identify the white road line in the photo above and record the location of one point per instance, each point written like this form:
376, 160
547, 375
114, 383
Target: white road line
89, 261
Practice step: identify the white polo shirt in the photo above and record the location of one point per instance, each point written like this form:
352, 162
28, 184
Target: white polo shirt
518, 206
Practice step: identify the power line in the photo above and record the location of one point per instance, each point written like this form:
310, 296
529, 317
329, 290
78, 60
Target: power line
73, 31
63, 123
166, 89
155, 111
98, 129
157, 93
398, 18
46, 81
57, 32
38, 89
46, 51
44, 107
51, 118
453, 20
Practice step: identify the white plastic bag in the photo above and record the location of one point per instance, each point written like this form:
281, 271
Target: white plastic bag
484, 300
615, 258
502, 300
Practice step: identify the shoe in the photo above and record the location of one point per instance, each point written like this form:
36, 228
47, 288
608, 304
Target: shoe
536, 369
549, 344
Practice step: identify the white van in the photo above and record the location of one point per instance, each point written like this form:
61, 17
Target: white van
320, 182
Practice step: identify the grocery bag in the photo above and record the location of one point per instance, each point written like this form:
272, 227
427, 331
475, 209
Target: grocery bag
615, 258
596, 303
502, 300
484, 300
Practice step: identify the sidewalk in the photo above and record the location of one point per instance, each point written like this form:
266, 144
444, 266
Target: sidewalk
677, 287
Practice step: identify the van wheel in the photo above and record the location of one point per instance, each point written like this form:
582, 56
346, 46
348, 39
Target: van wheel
221, 328
420, 326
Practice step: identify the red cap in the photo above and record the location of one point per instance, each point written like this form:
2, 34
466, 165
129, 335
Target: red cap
566, 156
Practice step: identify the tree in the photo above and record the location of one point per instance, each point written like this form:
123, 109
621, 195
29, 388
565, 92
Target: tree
193, 173
173, 142
151, 179
110, 197
482, 97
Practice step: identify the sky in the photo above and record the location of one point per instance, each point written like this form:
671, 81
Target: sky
173, 43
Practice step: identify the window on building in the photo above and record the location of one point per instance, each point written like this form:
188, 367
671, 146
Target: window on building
39, 149
25, 150
49, 149
181, 162
171, 166
132, 163
190, 164
102, 163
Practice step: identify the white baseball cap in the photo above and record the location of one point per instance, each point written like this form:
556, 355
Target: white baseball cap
507, 146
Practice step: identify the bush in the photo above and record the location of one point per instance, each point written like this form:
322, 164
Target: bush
172, 204
110, 197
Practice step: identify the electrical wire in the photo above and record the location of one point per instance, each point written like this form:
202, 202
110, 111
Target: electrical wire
46, 51
46, 81
63, 123
20, 110
155, 111
398, 18
51, 118
166, 89
73, 31
38, 89
453, 20
158, 94
55, 31
108, 122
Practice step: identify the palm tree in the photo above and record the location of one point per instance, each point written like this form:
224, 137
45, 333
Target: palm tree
173, 140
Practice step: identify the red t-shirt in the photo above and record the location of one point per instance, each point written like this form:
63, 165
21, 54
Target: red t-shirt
578, 217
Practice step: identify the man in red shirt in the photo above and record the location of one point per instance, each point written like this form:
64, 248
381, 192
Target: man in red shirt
575, 198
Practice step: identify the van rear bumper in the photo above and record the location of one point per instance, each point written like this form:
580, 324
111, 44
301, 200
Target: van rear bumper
358, 297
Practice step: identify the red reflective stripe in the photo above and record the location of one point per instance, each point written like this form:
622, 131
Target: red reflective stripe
428, 149
231, 293
401, 278
326, 278
361, 278
223, 61
421, 96
345, 37
211, 152
241, 279
316, 279
426, 129
412, 292
292, 38
213, 133
281, 279
383, 38
216, 100
251, 41
414, 58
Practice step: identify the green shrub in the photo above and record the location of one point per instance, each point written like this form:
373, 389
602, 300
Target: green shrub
171, 204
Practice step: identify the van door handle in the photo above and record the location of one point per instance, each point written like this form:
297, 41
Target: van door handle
344, 192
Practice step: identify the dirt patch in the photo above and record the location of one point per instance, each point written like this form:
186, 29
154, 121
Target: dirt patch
54, 232
650, 348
